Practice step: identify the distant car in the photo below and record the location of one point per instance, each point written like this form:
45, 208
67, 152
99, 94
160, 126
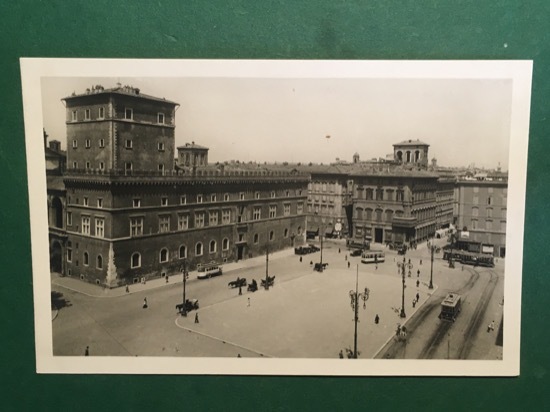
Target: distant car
209, 271
314, 248
356, 252
401, 249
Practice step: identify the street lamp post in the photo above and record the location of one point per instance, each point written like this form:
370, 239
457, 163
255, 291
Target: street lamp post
321, 241
432, 268
403, 266
451, 264
183, 270
355, 296
267, 264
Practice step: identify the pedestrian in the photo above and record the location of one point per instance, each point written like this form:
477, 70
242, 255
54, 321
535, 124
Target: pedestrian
417, 296
341, 354
417, 283
197, 317
420, 262
87, 351
127, 289
248, 302
346, 257
145, 303
418, 273
166, 278
300, 259
311, 263
240, 290
348, 264
376, 319
238, 355
491, 326
414, 303
376, 267
339, 250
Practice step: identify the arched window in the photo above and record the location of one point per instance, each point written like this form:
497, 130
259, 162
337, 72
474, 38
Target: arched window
182, 252
271, 234
163, 256
389, 215
225, 244
99, 262
299, 230
285, 232
198, 249
136, 260
417, 155
213, 246
86, 259
399, 156
408, 156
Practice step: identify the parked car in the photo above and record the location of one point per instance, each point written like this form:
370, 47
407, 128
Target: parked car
190, 304
356, 252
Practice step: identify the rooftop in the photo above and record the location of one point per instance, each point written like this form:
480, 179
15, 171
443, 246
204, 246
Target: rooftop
411, 142
121, 90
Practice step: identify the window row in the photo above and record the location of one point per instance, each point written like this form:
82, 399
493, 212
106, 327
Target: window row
212, 198
85, 259
164, 254
128, 115
381, 194
99, 227
128, 144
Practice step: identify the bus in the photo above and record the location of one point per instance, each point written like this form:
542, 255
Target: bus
450, 307
209, 271
373, 256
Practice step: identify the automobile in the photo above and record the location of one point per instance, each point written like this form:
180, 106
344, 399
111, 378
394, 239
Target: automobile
401, 249
356, 252
209, 271
190, 304
314, 248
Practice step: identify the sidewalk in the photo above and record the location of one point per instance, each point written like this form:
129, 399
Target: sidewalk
89, 289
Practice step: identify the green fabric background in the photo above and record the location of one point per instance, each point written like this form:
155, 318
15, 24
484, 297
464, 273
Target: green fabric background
269, 29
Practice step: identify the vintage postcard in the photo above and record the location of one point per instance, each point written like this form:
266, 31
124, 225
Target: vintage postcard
277, 217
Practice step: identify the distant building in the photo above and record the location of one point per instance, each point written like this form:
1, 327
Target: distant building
192, 155
481, 213
411, 153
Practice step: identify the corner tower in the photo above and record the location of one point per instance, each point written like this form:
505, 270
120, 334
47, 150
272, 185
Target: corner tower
411, 152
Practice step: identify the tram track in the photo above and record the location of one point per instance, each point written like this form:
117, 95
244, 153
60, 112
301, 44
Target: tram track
477, 317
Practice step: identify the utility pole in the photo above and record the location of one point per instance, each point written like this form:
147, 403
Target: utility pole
184, 272
432, 268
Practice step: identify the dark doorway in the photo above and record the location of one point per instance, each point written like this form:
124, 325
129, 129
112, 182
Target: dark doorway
502, 252
56, 258
378, 235
57, 213
240, 252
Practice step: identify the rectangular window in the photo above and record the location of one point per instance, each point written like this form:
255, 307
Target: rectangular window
128, 114
85, 201
69, 218
85, 225
503, 225
475, 200
75, 144
183, 200
489, 224
212, 198
160, 118
475, 211
199, 219
257, 195
213, 218
199, 198
257, 213
164, 201
128, 143
183, 222
400, 196
164, 224
489, 212
87, 165
136, 203
136, 226
287, 209
474, 224
241, 196
101, 113
272, 194
100, 227
272, 211
101, 166
226, 197
490, 200
161, 168
128, 166
74, 116
226, 216
75, 165
160, 147
101, 143
88, 143
69, 255
99, 202
87, 114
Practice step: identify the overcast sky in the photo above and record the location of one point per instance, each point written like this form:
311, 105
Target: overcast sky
463, 121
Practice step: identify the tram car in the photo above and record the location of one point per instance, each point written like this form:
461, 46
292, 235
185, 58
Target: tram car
373, 256
470, 258
450, 307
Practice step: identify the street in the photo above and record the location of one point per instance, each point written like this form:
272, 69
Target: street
306, 314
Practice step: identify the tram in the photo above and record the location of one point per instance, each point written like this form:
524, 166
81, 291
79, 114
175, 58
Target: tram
470, 258
373, 256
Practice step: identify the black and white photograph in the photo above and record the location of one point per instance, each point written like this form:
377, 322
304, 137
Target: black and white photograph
277, 217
